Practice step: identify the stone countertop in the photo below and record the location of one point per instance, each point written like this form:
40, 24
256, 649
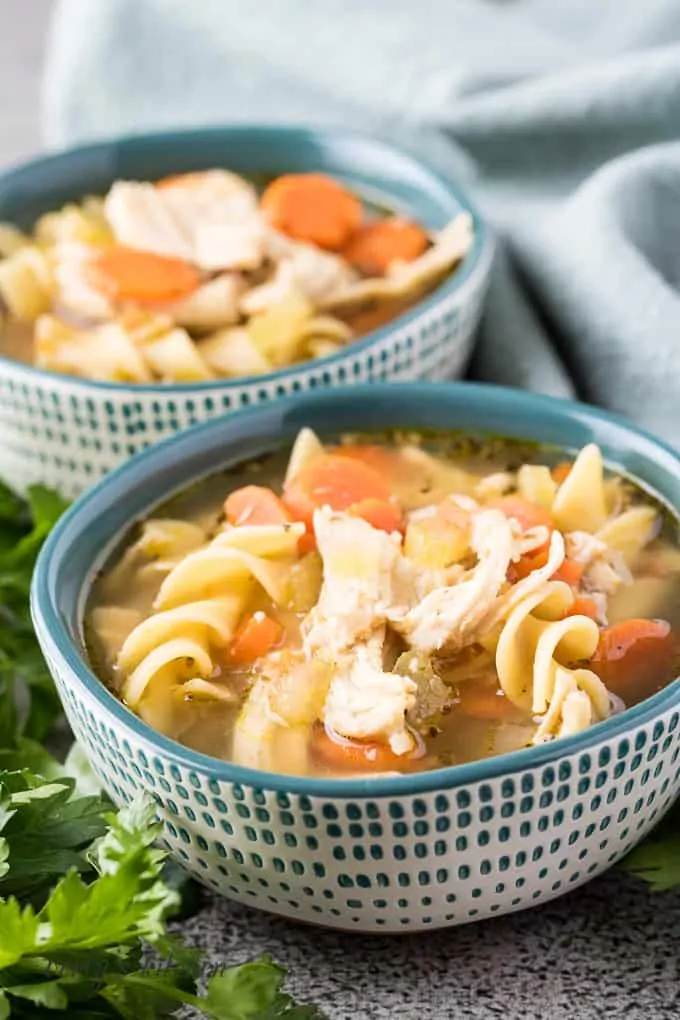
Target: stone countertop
607, 951
604, 952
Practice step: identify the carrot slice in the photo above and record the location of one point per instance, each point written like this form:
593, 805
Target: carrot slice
583, 607
484, 703
561, 471
376, 245
314, 208
126, 274
379, 513
527, 514
382, 458
253, 505
335, 481
570, 572
636, 657
355, 755
255, 636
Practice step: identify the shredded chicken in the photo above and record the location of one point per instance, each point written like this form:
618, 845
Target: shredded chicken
215, 223
366, 702
447, 617
361, 582
605, 570
305, 271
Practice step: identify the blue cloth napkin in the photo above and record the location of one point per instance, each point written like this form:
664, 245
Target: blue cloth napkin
559, 114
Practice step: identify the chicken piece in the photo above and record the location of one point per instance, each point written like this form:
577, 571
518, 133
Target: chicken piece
447, 618
367, 703
213, 222
605, 570
74, 292
361, 583
304, 271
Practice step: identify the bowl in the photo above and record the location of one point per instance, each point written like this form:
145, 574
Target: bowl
410, 852
66, 432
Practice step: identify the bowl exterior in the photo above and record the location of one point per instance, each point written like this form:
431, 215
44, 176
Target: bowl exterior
413, 852
66, 434
394, 864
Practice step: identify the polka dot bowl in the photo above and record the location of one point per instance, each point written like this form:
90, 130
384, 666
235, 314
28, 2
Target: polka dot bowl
66, 432
411, 852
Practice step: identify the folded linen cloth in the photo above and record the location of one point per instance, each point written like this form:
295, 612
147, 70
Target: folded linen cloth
560, 116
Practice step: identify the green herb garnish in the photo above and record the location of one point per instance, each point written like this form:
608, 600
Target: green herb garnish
85, 897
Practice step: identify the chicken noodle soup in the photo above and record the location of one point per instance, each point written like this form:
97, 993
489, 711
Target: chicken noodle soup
390, 606
198, 277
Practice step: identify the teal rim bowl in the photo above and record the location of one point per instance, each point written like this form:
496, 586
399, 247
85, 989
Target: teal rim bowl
93, 528
372, 166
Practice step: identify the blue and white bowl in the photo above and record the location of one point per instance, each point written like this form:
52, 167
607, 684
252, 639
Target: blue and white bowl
67, 432
412, 852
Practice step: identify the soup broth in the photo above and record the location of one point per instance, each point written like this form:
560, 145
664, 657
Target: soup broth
396, 603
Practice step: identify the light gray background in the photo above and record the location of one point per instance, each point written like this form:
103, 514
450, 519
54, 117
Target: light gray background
23, 25
606, 952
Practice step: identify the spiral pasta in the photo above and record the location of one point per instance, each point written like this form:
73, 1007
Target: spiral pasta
535, 649
199, 604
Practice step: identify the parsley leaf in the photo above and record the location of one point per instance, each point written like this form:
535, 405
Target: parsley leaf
657, 860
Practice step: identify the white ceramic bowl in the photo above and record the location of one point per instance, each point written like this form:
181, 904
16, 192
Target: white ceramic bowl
66, 432
412, 852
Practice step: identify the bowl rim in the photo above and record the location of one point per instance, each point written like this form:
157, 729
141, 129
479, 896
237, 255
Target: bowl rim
55, 638
476, 263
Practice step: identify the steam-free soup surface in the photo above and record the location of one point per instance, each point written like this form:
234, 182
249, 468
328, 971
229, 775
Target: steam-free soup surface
395, 603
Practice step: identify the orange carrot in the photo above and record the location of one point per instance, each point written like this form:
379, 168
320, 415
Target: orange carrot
355, 755
583, 607
379, 513
527, 514
561, 471
570, 572
484, 703
335, 481
314, 208
376, 245
636, 657
254, 504
126, 274
255, 636
383, 458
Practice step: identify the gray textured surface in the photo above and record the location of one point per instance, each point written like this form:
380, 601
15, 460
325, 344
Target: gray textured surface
606, 952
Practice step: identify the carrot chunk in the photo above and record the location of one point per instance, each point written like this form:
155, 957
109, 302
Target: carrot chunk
313, 208
335, 481
570, 572
255, 504
256, 635
636, 657
355, 755
379, 513
126, 274
376, 245
583, 607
